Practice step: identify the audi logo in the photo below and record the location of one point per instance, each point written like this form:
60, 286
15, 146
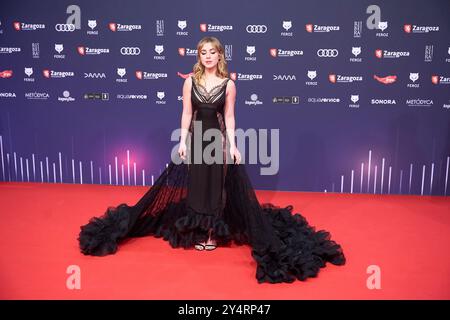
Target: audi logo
130, 51
254, 28
327, 53
65, 27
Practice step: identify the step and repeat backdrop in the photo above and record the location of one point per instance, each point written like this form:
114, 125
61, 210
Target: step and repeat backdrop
91, 91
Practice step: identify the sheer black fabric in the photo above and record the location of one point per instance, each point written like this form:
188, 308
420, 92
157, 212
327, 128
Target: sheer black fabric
189, 200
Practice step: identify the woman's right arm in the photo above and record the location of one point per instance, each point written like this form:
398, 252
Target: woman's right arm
187, 109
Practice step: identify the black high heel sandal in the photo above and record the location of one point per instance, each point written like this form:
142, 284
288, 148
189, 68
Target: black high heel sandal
210, 247
199, 247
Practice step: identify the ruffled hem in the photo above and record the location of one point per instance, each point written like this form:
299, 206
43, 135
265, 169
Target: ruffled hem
298, 254
194, 227
100, 236
301, 252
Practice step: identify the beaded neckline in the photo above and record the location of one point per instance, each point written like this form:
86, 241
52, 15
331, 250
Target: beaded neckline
212, 89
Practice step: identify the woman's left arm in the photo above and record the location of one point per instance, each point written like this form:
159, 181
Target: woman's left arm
230, 122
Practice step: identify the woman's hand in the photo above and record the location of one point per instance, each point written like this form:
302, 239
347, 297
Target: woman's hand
182, 150
235, 155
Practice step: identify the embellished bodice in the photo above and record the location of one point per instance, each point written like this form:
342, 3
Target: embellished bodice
207, 106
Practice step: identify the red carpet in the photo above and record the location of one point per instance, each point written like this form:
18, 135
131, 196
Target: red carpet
406, 236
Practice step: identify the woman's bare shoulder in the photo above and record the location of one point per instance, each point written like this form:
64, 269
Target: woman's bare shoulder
188, 81
230, 83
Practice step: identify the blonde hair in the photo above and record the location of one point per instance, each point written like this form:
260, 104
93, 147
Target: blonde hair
199, 68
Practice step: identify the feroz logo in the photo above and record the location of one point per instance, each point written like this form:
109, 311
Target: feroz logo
160, 95
413, 76
28, 71
356, 51
159, 48
92, 24
382, 25
312, 74
121, 72
59, 47
287, 25
182, 24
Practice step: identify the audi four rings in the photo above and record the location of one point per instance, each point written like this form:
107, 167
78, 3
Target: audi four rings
327, 53
133, 51
254, 28
65, 27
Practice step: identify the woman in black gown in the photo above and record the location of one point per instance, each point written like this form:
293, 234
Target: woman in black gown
198, 204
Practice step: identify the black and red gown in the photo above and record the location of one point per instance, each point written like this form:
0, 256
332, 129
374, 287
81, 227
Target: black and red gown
190, 199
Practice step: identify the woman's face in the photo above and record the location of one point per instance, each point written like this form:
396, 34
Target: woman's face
209, 56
